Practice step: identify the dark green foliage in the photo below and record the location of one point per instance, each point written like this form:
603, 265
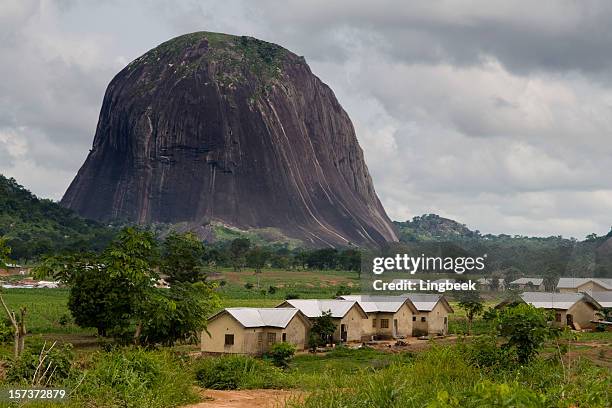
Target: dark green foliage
281, 354
96, 300
524, 330
114, 292
238, 372
238, 250
6, 331
183, 258
41, 364
343, 290
36, 226
322, 330
257, 258
178, 313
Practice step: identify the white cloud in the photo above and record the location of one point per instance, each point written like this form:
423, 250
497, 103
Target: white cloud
479, 111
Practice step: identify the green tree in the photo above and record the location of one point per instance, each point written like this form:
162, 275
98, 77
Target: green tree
257, 258
524, 329
238, 250
109, 291
473, 305
183, 258
281, 354
178, 313
322, 330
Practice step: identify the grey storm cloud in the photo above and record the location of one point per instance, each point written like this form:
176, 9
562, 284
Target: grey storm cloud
495, 113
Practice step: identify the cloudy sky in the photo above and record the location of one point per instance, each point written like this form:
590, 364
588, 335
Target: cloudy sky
495, 113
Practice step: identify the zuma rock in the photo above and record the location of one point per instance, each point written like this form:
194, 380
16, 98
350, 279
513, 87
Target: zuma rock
212, 128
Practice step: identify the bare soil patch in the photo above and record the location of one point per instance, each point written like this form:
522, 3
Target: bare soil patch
244, 398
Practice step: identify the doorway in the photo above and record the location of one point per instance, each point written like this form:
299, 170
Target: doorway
343, 333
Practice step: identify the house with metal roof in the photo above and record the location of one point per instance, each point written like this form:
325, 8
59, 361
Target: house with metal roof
432, 316
347, 315
585, 285
250, 330
528, 284
576, 310
388, 316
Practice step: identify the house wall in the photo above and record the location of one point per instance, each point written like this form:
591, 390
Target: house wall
249, 340
582, 313
354, 325
436, 321
588, 287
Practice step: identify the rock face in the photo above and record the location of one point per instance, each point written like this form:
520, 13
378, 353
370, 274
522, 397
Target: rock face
210, 127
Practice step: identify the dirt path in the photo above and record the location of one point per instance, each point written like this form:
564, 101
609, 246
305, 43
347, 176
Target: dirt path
244, 398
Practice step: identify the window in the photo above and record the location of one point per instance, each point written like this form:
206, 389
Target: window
284, 336
414, 318
229, 339
384, 323
374, 323
271, 338
423, 319
557, 317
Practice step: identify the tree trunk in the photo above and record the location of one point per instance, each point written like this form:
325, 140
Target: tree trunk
137, 333
16, 346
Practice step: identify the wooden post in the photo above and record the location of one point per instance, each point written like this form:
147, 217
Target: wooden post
18, 326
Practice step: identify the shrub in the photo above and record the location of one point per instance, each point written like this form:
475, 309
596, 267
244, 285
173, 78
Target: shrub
525, 329
134, 377
483, 352
6, 332
41, 364
281, 354
248, 285
64, 319
239, 372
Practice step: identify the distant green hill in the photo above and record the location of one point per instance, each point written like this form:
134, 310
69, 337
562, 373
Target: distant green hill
527, 256
36, 226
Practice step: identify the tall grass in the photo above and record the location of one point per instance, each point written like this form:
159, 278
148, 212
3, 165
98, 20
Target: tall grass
444, 377
133, 378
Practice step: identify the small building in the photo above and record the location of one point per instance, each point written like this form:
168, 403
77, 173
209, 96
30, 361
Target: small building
585, 285
529, 284
432, 316
388, 316
576, 310
488, 284
249, 330
347, 315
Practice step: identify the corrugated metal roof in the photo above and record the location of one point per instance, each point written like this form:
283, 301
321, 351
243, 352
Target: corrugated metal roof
315, 307
262, 317
548, 300
524, 281
424, 302
572, 283
603, 298
373, 303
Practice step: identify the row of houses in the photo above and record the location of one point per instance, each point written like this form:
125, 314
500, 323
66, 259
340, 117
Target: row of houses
574, 309
564, 285
358, 318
